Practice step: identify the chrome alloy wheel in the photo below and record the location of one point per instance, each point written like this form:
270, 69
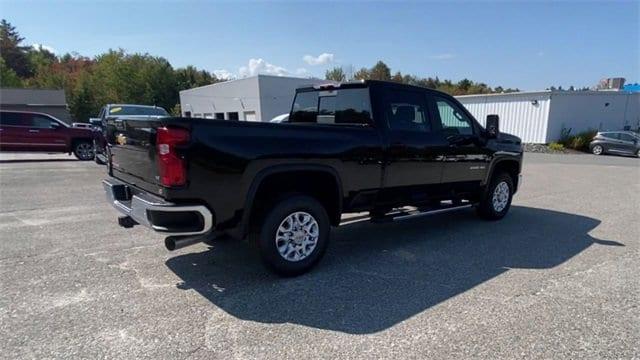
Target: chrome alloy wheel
500, 196
297, 236
597, 150
85, 151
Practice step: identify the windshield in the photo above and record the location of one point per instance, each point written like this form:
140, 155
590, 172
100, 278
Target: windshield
137, 110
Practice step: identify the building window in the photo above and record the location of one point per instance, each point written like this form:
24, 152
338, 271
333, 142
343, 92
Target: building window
218, 116
187, 114
233, 116
196, 115
208, 115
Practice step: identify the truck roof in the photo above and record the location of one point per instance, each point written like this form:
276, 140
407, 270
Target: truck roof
367, 83
136, 105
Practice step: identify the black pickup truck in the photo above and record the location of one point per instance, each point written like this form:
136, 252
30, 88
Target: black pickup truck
388, 149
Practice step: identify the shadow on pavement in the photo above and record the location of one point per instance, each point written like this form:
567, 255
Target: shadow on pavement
375, 276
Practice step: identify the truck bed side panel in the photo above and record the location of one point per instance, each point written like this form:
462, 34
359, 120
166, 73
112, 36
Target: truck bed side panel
225, 158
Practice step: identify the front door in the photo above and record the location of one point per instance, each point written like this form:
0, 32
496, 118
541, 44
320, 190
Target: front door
414, 153
466, 161
46, 134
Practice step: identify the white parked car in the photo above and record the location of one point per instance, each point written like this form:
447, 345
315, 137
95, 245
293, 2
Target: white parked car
280, 119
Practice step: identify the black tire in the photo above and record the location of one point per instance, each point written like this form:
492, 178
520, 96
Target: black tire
95, 153
266, 242
80, 150
487, 208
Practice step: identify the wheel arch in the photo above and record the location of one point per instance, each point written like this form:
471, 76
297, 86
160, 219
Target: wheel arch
78, 139
510, 165
268, 176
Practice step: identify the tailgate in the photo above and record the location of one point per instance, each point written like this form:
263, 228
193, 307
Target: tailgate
132, 143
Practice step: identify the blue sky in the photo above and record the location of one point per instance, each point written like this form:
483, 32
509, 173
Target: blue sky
529, 45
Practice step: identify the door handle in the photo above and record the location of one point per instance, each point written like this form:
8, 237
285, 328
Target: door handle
34, 131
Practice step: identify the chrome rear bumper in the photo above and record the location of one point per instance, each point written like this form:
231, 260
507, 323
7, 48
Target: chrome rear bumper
157, 213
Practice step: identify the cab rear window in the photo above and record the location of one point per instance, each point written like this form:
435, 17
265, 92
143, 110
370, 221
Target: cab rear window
332, 107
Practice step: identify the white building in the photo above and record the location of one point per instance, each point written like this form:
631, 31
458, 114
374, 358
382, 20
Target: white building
256, 98
540, 117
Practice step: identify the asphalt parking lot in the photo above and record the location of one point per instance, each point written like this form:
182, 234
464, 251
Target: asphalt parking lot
557, 278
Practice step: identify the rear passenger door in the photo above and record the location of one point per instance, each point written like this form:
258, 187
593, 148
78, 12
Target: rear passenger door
13, 130
627, 143
414, 152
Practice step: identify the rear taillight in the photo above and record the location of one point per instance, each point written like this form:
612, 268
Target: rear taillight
171, 166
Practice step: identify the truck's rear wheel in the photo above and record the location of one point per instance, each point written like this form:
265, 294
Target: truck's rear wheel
497, 199
293, 235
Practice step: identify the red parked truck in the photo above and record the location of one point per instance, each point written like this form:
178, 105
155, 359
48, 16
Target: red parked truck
39, 132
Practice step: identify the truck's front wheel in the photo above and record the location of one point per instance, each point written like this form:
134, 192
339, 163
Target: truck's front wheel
294, 235
497, 199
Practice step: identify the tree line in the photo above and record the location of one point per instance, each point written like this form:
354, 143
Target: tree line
120, 77
381, 71
90, 83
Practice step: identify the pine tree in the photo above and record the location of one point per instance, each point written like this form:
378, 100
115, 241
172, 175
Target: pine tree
12, 52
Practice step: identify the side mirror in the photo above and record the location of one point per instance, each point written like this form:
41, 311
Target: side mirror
95, 121
493, 126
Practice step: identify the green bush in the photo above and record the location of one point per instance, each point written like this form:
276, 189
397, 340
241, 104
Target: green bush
556, 146
579, 141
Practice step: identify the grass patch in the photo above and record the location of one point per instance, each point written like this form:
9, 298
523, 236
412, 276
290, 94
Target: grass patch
579, 141
556, 146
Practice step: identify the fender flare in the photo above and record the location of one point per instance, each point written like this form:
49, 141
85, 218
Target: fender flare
276, 169
501, 157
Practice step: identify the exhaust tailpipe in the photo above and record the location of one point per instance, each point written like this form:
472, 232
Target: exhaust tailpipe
178, 242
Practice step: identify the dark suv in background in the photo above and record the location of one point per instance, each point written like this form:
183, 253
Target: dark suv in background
39, 132
616, 142
115, 111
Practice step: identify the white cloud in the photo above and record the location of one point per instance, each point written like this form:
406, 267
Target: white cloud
445, 56
44, 47
322, 59
224, 74
259, 66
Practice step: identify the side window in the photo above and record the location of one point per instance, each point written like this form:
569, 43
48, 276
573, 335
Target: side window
406, 111
626, 137
13, 119
612, 135
451, 118
305, 107
41, 122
